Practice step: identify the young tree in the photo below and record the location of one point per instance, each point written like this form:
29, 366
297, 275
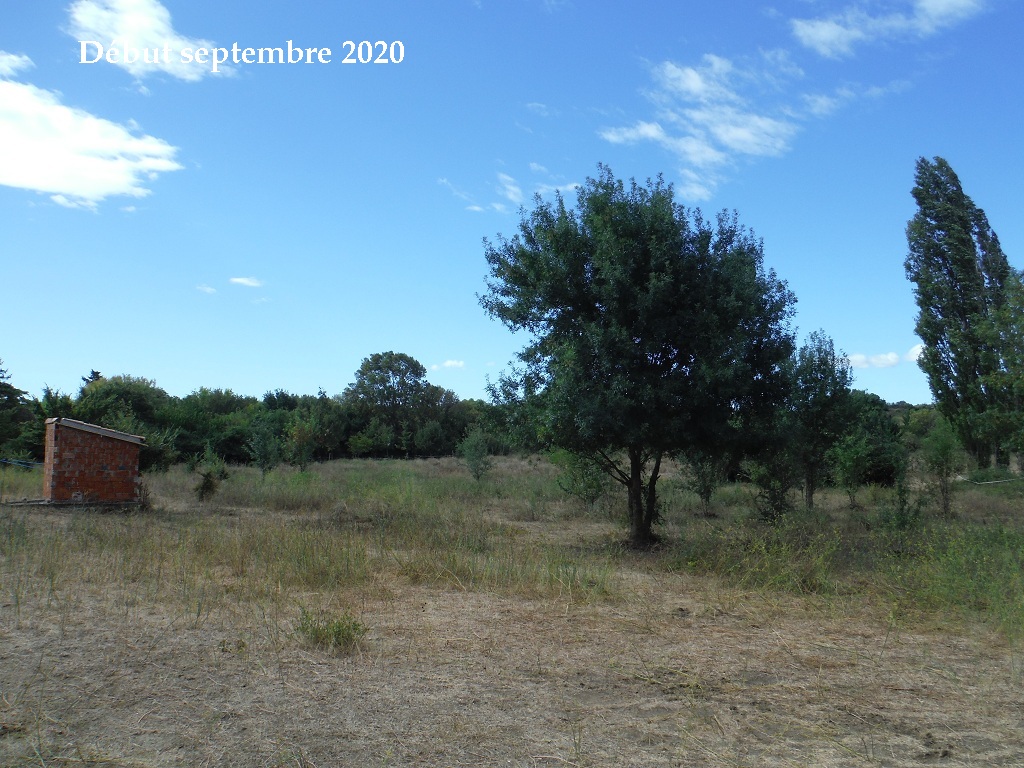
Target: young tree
944, 458
821, 407
960, 275
655, 332
476, 453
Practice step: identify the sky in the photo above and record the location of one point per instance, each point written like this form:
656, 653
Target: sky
269, 225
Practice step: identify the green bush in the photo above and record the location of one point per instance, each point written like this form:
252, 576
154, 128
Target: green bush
341, 634
475, 452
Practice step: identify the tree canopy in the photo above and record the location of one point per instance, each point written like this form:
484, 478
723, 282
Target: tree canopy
655, 332
961, 275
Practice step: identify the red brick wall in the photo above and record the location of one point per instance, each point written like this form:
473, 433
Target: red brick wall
83, 466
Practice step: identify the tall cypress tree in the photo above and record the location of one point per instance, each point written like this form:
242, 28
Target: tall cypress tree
960, 275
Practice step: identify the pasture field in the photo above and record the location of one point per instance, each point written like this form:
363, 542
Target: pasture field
390, 613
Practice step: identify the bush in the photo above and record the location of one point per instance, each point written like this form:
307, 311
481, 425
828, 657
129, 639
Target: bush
340, 634
475, 452
580, 478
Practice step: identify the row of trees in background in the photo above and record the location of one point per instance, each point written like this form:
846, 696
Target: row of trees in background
390, 410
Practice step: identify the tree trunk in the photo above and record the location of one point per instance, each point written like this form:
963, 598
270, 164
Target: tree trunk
651, 510
643, 510
637, 532
809, 488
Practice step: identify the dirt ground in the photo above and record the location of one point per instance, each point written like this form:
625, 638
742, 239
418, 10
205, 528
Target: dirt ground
677, 672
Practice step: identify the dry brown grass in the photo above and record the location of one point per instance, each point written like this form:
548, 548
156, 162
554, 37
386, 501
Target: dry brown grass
528, 638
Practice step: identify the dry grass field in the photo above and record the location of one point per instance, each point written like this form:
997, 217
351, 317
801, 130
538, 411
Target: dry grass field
402, 614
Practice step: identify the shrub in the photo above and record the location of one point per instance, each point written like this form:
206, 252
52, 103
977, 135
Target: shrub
474, 450
340, 634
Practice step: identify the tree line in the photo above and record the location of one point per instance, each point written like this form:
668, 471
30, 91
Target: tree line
390, 410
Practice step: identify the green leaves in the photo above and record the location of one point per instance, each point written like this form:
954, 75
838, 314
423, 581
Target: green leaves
654, 330
961, 277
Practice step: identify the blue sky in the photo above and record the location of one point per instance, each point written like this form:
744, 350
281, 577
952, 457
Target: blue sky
270, 225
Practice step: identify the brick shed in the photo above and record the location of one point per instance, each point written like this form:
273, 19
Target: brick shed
87, 463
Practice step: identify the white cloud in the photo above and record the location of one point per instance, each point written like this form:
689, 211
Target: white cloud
509, 189
837, 35
708, 84
77, 158
914, 353
448, 364
206, 288
858, 360
248, 282
12, 63
548, 189
706, 120
885, 360
139, 24
823, 105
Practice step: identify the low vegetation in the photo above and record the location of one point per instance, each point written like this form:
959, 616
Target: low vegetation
344, 524
377, 575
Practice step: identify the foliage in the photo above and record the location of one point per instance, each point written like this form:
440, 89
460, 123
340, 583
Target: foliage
775, 473
264, 447
580, 477
212, 471
821, 407
872, 451
15, 413
341, 634
474, 450
850, 458
707, 473
158, 452
397, 412
944, 457
655, 332
301, 438
960, 276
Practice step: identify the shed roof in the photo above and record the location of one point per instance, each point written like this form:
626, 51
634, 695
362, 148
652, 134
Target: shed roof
85, 427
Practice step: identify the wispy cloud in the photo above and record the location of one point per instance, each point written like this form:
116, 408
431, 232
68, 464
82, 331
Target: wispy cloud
248, 282
12, 63
706, 120
509, 189
885, 360
204, 288
836, 36
448, 364
139, 24
75, 157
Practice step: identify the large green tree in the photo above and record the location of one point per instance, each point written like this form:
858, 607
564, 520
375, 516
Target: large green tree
389, 395
960, 274
655, 332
